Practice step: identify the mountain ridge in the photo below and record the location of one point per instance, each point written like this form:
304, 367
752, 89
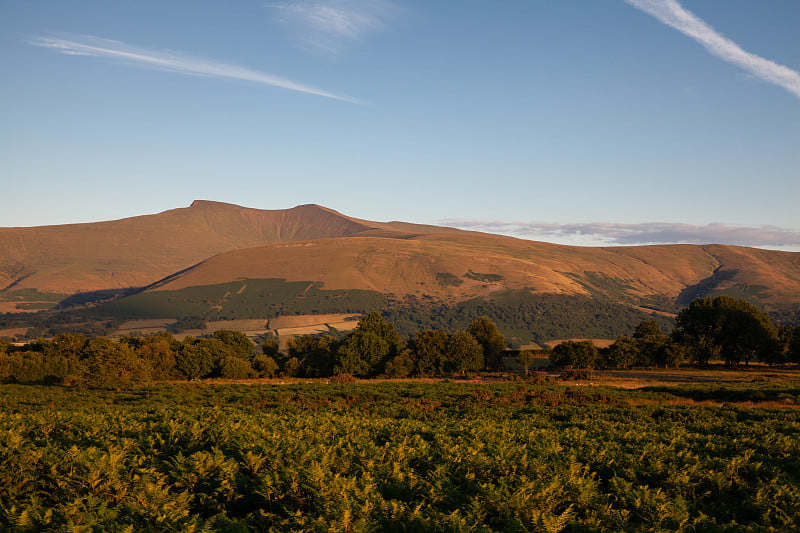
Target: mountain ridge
214, 243
136, 251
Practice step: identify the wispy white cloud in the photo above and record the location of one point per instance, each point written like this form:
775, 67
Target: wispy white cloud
609, 233
671, 13
168, 61
329, 25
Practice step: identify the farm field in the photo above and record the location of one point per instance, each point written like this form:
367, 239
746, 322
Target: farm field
150, 326
401, 456
299, 321
284, 327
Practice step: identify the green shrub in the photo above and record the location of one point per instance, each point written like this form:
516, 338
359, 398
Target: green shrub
572, 354
235, 368
198, 358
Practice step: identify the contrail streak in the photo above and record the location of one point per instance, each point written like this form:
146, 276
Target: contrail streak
671, 13
107, 48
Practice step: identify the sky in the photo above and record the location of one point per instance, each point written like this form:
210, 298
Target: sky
578, 122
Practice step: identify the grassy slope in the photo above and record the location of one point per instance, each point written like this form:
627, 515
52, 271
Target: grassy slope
422, 265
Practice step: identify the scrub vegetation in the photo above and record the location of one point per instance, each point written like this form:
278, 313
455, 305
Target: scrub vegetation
399, 456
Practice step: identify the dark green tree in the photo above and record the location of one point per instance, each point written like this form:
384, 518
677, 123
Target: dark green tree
463, 353
648, 330
624, 352
242, 346
375, 323
316, 353
234, 367
265, 366
428, 352
724, 326
793, 347
362, 353
157, 350
23, 366
654, 347
366, 349
400, 365
113, 365
199, 358
291, 367
574, 354
28, 366
270, 347
671, 354
489, 337
68, 345
525, 358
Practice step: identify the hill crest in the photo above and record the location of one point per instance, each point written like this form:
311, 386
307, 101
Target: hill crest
135, 251
213, 242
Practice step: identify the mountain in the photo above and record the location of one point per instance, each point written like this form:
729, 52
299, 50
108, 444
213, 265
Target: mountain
454, 266
137, 251
225, 261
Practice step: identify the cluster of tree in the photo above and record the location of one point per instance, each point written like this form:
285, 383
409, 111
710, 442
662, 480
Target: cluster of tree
720, 328
648, 347
104, 363
187, 323
733, 330
53, 322
375, 348
709, 329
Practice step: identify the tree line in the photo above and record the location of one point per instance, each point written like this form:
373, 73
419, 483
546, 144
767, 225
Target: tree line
719, 328
709, 329
372, 349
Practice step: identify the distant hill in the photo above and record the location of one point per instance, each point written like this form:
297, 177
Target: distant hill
224, 261
457, 266
135, 252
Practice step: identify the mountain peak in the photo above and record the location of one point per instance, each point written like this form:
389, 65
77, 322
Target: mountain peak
211, 203
199, 204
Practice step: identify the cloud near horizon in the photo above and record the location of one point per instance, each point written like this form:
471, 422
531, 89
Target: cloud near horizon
609, 233
329, 25
671, 13
91, 46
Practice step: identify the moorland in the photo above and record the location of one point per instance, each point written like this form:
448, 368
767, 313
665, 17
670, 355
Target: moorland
400, 456
215, 262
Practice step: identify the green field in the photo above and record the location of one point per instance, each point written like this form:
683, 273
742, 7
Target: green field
399, 456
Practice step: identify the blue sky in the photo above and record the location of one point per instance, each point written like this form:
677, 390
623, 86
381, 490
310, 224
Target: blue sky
585, 122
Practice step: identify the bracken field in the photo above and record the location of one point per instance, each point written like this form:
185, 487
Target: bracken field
400, 456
